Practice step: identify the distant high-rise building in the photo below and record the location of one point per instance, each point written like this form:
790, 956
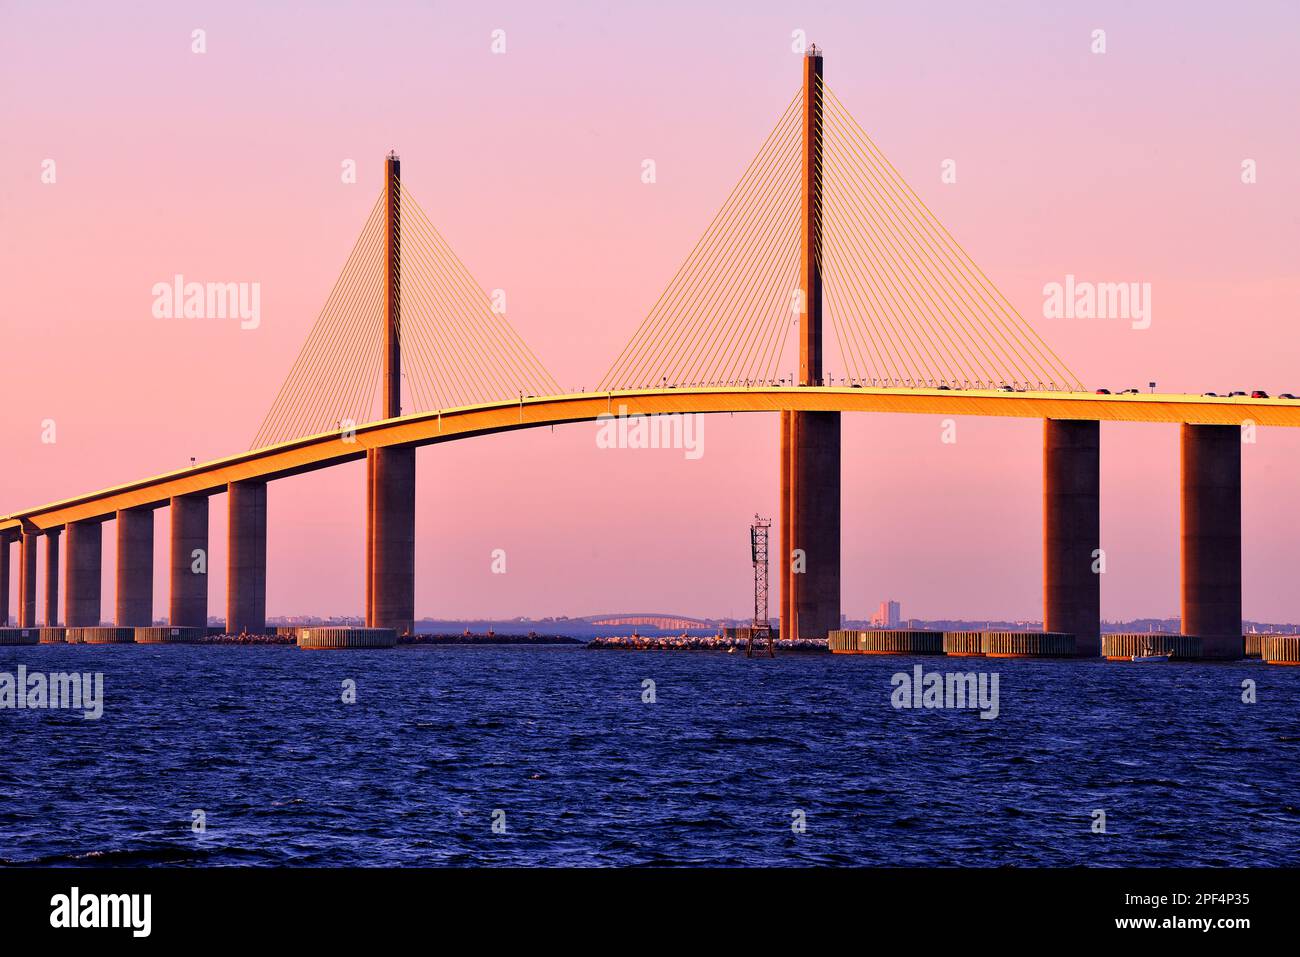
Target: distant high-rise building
888, 615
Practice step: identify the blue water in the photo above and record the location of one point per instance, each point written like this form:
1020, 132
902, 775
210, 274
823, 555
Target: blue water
559, 739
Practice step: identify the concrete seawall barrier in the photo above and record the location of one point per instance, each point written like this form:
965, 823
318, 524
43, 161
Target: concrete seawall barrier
963, 644
20, 636
167, 635
1281, 649
107, 636
1026, 644
341, 638
1121, 647
897, 641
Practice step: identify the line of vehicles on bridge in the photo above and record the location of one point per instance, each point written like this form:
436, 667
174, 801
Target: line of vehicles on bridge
1256, 394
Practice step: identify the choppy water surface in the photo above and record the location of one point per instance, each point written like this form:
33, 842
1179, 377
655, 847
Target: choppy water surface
587, 773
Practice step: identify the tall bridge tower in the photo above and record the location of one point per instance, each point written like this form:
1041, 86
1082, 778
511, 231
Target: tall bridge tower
390, 472
810, 441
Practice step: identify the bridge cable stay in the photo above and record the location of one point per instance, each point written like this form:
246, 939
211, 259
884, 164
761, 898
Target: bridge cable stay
908, 306
721, 318
462, 349
457, 349
322, 390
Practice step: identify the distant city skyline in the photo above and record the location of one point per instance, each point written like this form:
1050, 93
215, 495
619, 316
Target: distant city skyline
888, 615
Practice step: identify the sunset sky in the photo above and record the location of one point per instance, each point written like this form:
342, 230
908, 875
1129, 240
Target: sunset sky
225, 166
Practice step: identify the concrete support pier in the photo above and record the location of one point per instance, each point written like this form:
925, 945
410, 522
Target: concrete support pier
1211, 538
188, 601
246, 576
134, 567
52, 576
390, 539
1072, 531
27, 579
82, 571
784, 532
810, 523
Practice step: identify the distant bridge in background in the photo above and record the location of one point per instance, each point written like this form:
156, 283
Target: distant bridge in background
651, 620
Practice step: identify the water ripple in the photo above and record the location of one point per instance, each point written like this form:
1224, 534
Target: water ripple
525, 756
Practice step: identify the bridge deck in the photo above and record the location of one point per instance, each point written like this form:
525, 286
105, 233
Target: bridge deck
426, 428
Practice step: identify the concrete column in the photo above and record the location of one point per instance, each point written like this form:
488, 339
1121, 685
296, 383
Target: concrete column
27, 580
82, 571
811, 512
1211, 537
370, 535
4, 581
188, 601
785, 533
246, 579
1072, 531
52, 576
390, 539
134, 567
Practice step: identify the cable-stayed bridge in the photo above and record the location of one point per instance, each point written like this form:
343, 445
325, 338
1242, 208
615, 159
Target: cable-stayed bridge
822, 248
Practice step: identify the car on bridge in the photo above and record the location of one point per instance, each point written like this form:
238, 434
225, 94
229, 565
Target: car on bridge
1286, 395
1259, 394
1103, 392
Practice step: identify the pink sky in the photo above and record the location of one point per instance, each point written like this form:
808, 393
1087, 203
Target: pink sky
225, 166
